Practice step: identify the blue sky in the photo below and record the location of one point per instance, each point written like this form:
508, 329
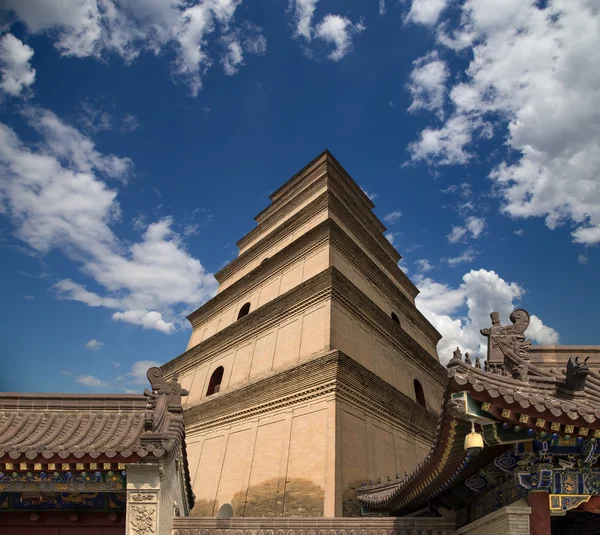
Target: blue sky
139, 140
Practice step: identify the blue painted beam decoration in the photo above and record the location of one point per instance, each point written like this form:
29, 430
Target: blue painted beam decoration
63, 481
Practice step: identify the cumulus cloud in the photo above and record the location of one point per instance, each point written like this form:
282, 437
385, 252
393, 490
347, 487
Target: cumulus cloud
57, 197
338, 31
426, 12
392, 217
333, 29
147, 319
534, 75
16, 71
93, 344
427, 84
459, 313
96, 28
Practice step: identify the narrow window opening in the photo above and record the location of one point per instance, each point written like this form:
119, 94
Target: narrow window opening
419, 394
395, 318
215, 381
264, 260
244, 310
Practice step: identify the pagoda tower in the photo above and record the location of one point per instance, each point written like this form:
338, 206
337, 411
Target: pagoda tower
311, 371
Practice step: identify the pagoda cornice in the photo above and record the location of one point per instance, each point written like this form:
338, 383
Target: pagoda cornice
379, 247
328, 284
303, 246
330, 376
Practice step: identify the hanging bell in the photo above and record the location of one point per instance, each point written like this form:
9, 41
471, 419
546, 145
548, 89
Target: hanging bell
473, 441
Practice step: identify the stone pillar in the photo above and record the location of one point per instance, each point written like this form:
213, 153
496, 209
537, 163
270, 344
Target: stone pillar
539, 522
143, 493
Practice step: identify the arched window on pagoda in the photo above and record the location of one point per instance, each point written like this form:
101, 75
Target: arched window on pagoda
215, 381
244, 310
419, 394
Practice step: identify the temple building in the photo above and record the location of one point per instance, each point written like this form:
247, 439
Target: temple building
311, 401
516, 448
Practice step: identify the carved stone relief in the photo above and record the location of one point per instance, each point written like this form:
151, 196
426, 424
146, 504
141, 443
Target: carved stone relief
142, 520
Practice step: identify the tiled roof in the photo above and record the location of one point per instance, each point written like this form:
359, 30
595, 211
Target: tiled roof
65, 425
124, 428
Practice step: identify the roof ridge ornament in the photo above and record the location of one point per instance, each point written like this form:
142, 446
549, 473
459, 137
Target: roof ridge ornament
576, 375
164, 398
508, 350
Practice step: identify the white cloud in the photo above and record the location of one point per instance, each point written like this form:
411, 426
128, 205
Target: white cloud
68, 144
426, 12
250, 40
97, 28
90, 381
382, 7
427, 84
338, 31
582, 259
137, 374
535, 74
130, 123
457, 234
389, 236
475, 226
459, 313
448, 144
519, 232
468, 255
303, 14
56, 198
93, 344
233, 57
402, 265
147, 319
372, 196
392, 217
15, 68
333, 29
423, 265
136, 377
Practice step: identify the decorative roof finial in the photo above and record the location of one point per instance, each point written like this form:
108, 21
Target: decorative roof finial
467, 359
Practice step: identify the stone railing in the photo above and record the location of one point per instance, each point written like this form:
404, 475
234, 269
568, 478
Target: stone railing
312, 526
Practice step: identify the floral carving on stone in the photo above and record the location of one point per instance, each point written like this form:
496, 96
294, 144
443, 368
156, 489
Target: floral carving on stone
142, 519
142, 497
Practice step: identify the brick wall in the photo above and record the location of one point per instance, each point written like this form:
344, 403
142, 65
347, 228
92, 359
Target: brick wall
313, 526
511, 520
